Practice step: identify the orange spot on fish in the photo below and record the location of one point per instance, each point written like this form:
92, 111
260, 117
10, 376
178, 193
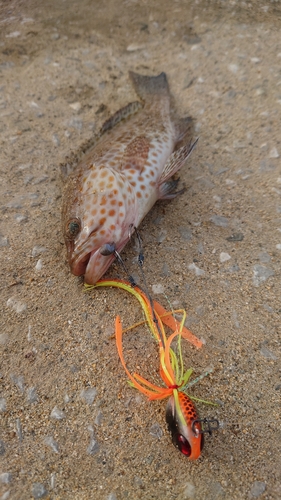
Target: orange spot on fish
103, 200
120, 203
138, 194
111, 213
102, 221
103, 211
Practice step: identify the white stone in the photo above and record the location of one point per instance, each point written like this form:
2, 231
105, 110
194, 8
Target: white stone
76, 106
273, 153
196, 269
233, 68
16, 304
14, 34
39, 265
158, 288
224, 256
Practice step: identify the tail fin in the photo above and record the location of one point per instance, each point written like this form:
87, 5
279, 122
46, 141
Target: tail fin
150, 86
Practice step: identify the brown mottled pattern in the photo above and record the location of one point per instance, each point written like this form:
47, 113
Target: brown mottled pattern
120, 177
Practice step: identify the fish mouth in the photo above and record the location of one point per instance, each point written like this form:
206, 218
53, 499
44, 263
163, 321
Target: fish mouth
93, 265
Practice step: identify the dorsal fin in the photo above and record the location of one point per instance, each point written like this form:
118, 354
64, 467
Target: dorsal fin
121, 114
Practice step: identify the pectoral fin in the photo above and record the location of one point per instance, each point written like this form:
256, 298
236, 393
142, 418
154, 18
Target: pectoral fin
174, 163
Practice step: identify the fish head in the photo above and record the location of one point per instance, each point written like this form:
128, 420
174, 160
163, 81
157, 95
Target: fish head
98, 213
182, 420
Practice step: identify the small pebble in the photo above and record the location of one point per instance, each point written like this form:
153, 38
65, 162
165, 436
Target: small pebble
19, 429
55, 139
235, 237
93, 447
38, 490
264, 257
49, 441
5, 495
37, 250
5, 477
57, 414
267, 353
31, 395
14, 34
88, 395
261, 274
239, 144
112, 496
185, 233
18, 380
99, 418
220, 221
278, 246
188, 491
165, 270
4, 242
3, 405
156, 431
134, 46
196, 269
273, 153
16, 304
224, 257
2, 447
233, 68
76, 106
39, 265
258, 488
55, 36
4, 338
161, 236
158, 289
20, 218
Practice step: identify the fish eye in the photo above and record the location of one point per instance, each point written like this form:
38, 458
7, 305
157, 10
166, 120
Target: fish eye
73, 228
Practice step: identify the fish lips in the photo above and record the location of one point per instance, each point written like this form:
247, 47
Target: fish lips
94, 264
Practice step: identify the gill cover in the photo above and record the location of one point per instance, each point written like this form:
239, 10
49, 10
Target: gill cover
180, 415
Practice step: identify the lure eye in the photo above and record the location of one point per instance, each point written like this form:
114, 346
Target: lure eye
73, 228
183, 445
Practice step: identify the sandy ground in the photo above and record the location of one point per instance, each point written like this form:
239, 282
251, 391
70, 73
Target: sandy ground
71, 427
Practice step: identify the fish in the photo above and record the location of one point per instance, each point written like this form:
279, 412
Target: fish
121, 176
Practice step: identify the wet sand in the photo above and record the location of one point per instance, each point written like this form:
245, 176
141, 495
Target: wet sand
71, 427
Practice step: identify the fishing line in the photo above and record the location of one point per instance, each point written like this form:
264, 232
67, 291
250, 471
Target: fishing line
140, 264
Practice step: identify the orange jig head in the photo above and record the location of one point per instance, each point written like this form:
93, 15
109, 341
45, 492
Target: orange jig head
181, 415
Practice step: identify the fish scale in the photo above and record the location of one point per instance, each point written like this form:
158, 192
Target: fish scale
121, 177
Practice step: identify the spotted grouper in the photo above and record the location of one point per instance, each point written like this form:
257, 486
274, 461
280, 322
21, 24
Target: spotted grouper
122, 175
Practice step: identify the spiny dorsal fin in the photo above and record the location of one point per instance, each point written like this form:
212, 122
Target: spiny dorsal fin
72, 161
121, 114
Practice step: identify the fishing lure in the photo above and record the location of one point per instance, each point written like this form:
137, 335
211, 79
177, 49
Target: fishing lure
181, 414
